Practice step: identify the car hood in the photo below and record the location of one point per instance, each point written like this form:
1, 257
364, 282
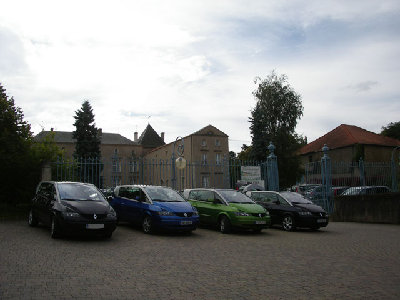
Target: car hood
174, 206
88, 207
249, 208
310, 207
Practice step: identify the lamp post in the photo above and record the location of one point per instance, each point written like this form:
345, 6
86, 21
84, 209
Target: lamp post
180, 162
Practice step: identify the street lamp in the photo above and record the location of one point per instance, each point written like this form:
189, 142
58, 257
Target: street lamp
180, 162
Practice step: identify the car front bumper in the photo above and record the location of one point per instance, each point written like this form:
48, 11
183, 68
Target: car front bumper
251, 222
175, 223
79, 225
311, 221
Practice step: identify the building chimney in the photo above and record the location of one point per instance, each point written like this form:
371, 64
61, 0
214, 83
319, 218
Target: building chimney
162, 136
99, 132
135, 136
52, 129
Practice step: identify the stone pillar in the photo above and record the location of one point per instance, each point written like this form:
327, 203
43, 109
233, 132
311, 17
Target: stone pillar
46, 172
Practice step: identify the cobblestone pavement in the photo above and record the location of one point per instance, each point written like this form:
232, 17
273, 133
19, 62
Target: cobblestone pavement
342, 261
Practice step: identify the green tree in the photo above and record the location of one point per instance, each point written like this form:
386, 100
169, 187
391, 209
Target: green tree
392, 130
274, 119
86, 133
17, 173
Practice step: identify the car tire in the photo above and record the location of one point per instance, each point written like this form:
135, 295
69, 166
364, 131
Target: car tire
108, 235
55, 228
224, 225
32, 220
288, 223
315, 228
147, 225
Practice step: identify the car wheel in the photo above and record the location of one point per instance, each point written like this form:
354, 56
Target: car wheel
224, 225
55, 228
32, 220
288, 223
147, 225
315, 228
108, 235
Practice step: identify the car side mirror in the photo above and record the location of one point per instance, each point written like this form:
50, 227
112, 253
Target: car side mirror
109, 198
277, 202
216, 201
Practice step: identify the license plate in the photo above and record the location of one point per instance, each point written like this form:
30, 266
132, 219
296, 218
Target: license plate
94, 226
261, 222
321, 221
186, 222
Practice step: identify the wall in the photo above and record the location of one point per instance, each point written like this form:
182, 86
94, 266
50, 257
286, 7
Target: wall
383, 208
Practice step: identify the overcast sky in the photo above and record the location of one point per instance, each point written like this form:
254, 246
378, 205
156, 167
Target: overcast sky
181, 65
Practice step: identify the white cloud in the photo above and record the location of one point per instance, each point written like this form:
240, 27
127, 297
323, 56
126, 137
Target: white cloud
189, 64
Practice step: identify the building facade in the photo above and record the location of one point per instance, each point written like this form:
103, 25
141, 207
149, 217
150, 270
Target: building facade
148, 160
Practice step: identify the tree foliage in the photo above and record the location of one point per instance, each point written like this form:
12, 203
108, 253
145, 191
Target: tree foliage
17, 165
274, 119
392, 130
86, 134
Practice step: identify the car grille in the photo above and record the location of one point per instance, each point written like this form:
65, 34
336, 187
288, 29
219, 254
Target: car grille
259, 215
182, 214
91, 216
319, 214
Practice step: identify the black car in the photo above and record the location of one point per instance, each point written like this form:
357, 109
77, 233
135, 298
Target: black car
72, 207
291, 210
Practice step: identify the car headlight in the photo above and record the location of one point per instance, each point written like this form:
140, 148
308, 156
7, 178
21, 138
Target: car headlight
241, 214
112, 213
165, 213
195, 213
305, 213
70, 214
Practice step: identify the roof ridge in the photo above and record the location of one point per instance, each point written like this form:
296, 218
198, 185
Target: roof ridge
346, 128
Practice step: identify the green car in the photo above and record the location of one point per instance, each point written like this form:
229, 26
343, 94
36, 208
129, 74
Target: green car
228, 209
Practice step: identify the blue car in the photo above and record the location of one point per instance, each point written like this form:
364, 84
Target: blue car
154, 207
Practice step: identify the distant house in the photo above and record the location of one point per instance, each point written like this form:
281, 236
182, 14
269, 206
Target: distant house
350, 143
206, 150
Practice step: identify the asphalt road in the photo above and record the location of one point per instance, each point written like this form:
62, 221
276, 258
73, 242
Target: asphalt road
342, 261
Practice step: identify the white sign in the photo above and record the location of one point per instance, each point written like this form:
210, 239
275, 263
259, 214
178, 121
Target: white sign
251, 173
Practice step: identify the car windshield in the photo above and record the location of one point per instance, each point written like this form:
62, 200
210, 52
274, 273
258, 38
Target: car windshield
163, 194
295, 198
79, 192
232, 196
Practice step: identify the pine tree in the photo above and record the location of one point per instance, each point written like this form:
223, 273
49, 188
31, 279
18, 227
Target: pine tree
86, 133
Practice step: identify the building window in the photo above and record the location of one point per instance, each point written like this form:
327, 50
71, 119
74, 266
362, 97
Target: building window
204, 159
116, 165
115, 151
116, 180
217, 143
203, 143
218, 158
205, 181
133, 167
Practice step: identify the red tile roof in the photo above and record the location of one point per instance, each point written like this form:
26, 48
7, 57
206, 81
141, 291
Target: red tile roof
347, 135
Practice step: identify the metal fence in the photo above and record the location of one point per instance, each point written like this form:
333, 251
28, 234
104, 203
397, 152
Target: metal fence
108, 173
332, 175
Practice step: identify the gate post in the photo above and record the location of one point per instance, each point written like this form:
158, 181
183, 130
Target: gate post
326, 174
272, 169
46, 172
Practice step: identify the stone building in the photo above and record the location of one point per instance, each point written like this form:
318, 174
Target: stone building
350, 143
148, 160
